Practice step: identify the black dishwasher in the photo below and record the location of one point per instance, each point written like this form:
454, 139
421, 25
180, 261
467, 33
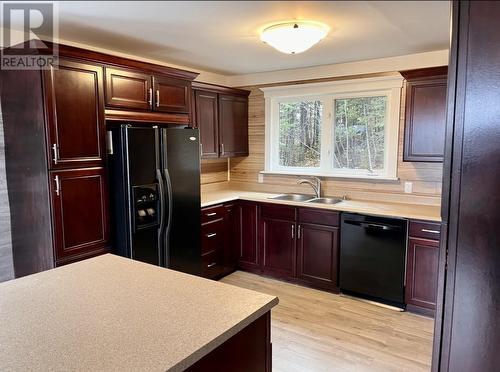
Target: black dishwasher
372, 258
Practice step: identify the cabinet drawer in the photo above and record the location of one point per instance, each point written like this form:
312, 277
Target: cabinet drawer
425, 230
280, 212
211, 236
212, 264
318, 216
212, 213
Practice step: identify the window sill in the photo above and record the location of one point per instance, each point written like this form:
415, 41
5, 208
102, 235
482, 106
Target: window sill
360, 177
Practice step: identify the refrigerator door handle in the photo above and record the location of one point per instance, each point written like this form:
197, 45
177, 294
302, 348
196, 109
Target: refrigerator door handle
162, 207
169, 220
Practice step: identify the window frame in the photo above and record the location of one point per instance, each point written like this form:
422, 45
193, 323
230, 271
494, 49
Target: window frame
389, 86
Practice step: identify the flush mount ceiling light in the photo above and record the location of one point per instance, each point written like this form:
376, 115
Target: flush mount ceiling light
294, 37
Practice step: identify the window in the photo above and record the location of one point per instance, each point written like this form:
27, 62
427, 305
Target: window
336, 129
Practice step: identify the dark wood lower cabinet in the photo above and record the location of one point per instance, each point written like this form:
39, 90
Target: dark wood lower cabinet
277, 239
80, 213
246, 247
249, 350
318, 255
422, 275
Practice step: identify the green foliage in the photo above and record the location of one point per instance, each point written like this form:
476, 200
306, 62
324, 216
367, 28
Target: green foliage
299, 134
359, 133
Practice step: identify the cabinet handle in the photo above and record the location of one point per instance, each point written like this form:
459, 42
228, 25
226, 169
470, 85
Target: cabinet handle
157, 98
293, 231
150, 100
211, 265
430, 231
55, 152
58, 185
201, 148
211, 214
222, 149
298, 232
211, 235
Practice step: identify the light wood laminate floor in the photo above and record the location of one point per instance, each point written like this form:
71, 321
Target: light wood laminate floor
319, 331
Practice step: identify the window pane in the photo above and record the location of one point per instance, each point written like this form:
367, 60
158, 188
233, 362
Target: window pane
299, 133
359, 133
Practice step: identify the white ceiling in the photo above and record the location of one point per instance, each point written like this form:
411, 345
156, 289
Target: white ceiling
223, 36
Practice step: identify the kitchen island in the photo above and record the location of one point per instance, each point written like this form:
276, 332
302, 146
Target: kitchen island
110, 313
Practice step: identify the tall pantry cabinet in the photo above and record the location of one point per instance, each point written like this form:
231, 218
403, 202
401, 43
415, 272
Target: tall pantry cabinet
55, 156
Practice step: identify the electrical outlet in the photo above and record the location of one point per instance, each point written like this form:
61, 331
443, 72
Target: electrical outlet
408, 187
260, 178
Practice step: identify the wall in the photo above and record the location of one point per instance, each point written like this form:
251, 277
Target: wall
214, 171
426, 177
6, 268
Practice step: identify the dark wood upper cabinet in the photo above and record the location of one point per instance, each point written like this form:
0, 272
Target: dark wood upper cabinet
425, 114
422, 273
128, 89
207, 121
233, 125
75, 115
80, 212
171, 94
221, 114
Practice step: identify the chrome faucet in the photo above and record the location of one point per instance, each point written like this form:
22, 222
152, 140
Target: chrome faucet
316, 186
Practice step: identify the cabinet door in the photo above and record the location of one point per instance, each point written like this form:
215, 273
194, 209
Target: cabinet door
231, 225
171, 94
246, 236
422, 273
80, 213
128, 89
75, 115
233, 125
207, 122
318, 255
425, 120
278, 247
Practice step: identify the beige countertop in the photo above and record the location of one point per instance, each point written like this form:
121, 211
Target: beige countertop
113, 314
413, 211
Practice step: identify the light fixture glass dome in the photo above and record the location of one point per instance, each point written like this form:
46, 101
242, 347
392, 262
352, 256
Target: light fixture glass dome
294, 37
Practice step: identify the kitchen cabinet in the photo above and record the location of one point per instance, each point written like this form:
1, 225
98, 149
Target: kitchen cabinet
54, 124
128, 89
80, 213
141, 91
277, 230
74, 97
422, 267
207, 119
212, 241
221, 114
171, 94
318, 248
425, 114
233, 125
247, 253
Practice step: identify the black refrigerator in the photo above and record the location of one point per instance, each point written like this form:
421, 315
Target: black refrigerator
155, 195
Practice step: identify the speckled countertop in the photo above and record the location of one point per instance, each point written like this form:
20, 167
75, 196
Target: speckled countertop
413, 211
113, 314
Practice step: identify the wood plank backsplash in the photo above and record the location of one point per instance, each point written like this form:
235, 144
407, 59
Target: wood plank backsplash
426, 177
214, 171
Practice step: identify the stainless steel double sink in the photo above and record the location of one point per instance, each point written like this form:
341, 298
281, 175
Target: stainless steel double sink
306, 198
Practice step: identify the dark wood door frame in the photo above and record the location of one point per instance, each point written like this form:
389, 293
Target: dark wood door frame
467, 332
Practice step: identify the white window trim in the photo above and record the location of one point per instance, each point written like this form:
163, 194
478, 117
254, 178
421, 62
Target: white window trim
389, 86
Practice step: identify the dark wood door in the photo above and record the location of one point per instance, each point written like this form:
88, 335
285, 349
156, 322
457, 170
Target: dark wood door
207, 121
422, 273
233, 125
425, 117
75, 115
246, 236
231, 225
471, 199
171, 94
128, 89
278, 247
80, 213
318, 255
